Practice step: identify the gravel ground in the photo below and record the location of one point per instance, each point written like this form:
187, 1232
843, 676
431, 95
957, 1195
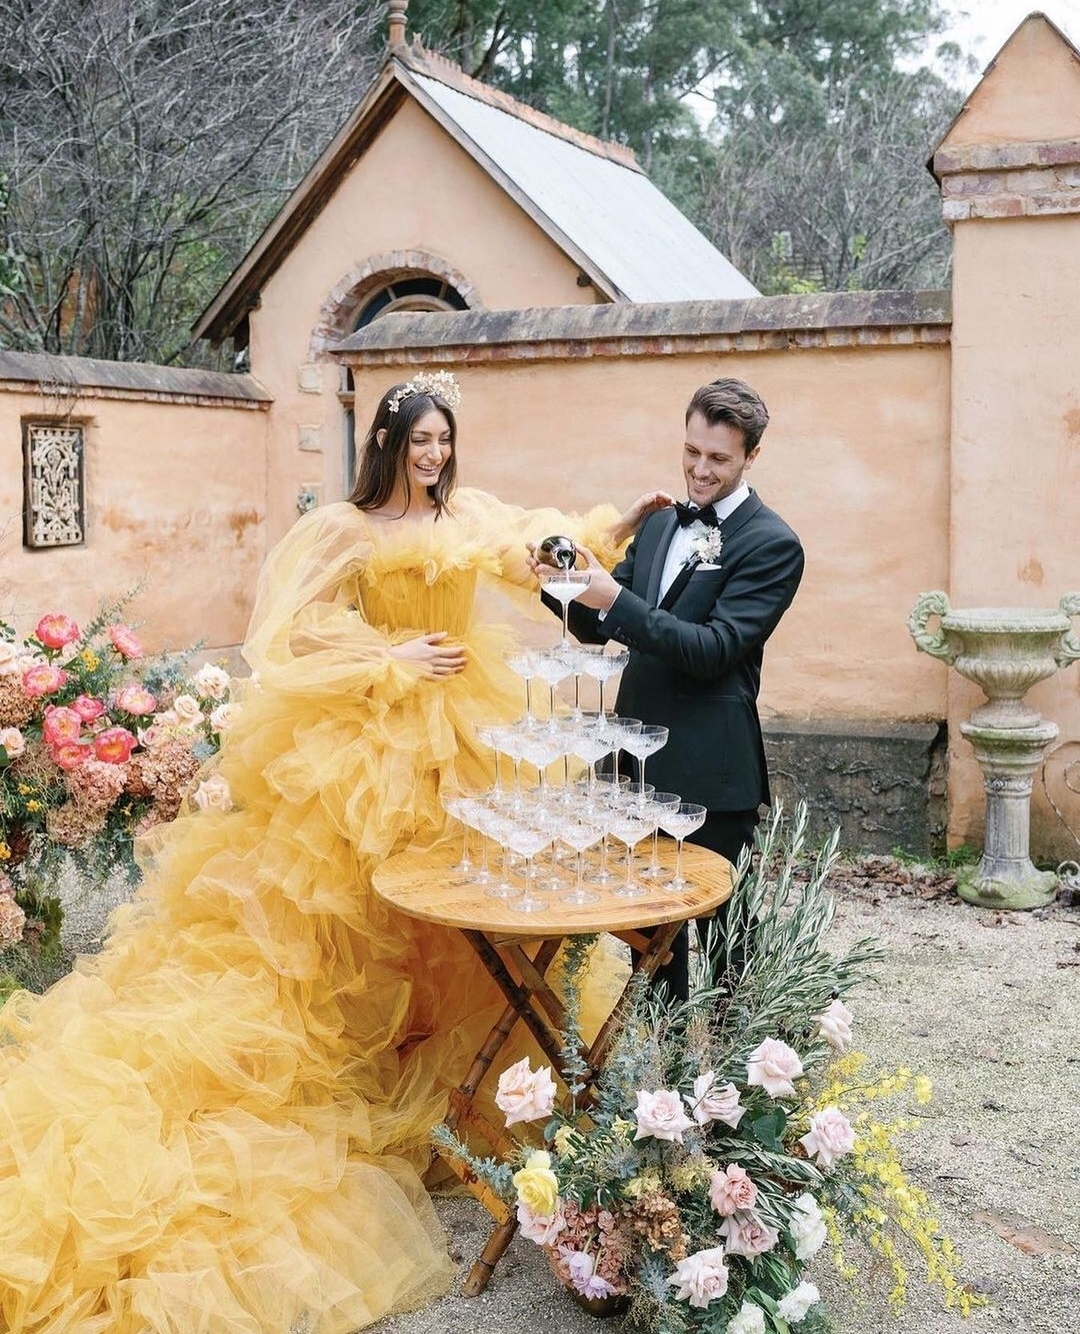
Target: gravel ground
987, 1004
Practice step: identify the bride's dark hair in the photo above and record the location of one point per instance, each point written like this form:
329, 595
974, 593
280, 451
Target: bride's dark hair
383, 466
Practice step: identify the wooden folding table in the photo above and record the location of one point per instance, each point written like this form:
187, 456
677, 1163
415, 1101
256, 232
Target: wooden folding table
517, 949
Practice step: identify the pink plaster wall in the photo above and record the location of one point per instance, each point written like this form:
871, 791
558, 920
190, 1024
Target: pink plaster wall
175, 501
453, 210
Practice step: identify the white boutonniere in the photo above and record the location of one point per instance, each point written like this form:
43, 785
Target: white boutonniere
705, 544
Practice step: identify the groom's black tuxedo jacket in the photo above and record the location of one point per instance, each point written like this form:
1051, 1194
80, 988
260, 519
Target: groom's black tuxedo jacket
695, 660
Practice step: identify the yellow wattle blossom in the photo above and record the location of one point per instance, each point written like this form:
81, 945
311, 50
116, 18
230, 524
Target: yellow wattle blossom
647, 1183
25, 789
90, 659
5, 852
33, 807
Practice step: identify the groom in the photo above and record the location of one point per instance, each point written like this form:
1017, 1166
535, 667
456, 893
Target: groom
699, 591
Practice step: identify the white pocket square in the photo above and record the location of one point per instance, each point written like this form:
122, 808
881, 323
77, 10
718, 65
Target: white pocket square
706, 565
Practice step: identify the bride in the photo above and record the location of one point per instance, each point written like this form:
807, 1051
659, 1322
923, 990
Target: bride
218, 1125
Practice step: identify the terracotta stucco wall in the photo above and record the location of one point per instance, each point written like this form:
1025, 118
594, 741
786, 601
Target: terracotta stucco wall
175, 501
1015, 458
414, 189
855, 458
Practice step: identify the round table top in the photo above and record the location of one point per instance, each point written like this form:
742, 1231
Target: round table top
418, 882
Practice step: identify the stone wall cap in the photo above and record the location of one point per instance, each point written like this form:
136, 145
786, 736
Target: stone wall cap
666, 319
850, 727
131, 378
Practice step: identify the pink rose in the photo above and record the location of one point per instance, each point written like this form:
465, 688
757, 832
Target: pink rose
125, 641
60, 724
541, 1228
745, 1234
70, 755
661, 1116
774, 1066
731, 1190
114, 745
44, 679
701, 1278
152, 736
13, 742
834, 1025
524, 1094
88, 708
136, 700
709, 1103
830, 1136
56, 630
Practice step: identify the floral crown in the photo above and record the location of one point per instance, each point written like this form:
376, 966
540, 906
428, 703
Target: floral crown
440, 384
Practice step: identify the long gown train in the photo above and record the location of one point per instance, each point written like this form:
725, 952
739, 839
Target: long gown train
217, 1125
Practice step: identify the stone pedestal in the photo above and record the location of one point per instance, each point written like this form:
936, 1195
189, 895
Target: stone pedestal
1005, 651
1006, 877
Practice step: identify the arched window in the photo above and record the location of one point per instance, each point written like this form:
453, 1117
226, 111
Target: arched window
417, 292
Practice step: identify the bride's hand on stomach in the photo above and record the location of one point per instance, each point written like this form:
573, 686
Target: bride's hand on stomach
432, 655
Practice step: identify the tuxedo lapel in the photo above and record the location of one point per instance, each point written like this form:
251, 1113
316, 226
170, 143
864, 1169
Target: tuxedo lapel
746, 511
665, 532
682, 578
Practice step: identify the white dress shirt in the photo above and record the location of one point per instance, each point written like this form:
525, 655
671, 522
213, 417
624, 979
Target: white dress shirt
678, 553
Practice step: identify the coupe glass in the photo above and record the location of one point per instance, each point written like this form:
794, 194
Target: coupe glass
453, 805
496, 823
602, 666
644, 742
527, 840
590, 742
522, 661
579, 835
541, 749
473, 809
606, 797
679, 822
552, 666
489, 735
661, 802
565, 585
630, 824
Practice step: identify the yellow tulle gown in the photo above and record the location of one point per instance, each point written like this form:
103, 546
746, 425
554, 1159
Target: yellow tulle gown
218, 1125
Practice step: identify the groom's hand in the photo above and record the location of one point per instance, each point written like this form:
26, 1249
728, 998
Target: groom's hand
602, 589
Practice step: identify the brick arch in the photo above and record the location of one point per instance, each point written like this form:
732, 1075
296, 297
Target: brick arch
338, 312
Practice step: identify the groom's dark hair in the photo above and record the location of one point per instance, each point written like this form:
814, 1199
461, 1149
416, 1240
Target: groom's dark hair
733, 402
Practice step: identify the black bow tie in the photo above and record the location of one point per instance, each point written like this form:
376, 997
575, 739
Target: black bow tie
688, 514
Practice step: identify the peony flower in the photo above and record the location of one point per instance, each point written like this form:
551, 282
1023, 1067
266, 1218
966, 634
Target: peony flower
731, 1190
830, 1136
536, 1185
125, 641
60, 724
223, 718
661, 1116
834, 1025
114, 745
807, 1227
745, 1234
87, 707
701, 1278
187, 711
213, 794
748, 1319
541, 1228
524, 1094
56, 630
708, 1103
68, 755
43, 679
136, 700
210, 682
774, 1066
794, 1305
13, 742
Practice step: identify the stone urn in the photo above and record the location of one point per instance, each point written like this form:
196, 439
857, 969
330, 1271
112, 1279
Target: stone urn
1005, 651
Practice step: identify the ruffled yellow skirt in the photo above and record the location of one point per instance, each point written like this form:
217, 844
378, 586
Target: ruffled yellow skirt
218, 1125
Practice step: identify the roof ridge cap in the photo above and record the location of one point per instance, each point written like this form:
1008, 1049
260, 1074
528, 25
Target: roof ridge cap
419, 60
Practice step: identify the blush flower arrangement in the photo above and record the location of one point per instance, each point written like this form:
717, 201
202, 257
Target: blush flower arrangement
726, 1140
97, 744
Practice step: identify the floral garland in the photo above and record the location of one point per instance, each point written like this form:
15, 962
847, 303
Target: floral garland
725, 1140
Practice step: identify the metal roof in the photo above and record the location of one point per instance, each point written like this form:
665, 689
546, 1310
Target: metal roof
611, 214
